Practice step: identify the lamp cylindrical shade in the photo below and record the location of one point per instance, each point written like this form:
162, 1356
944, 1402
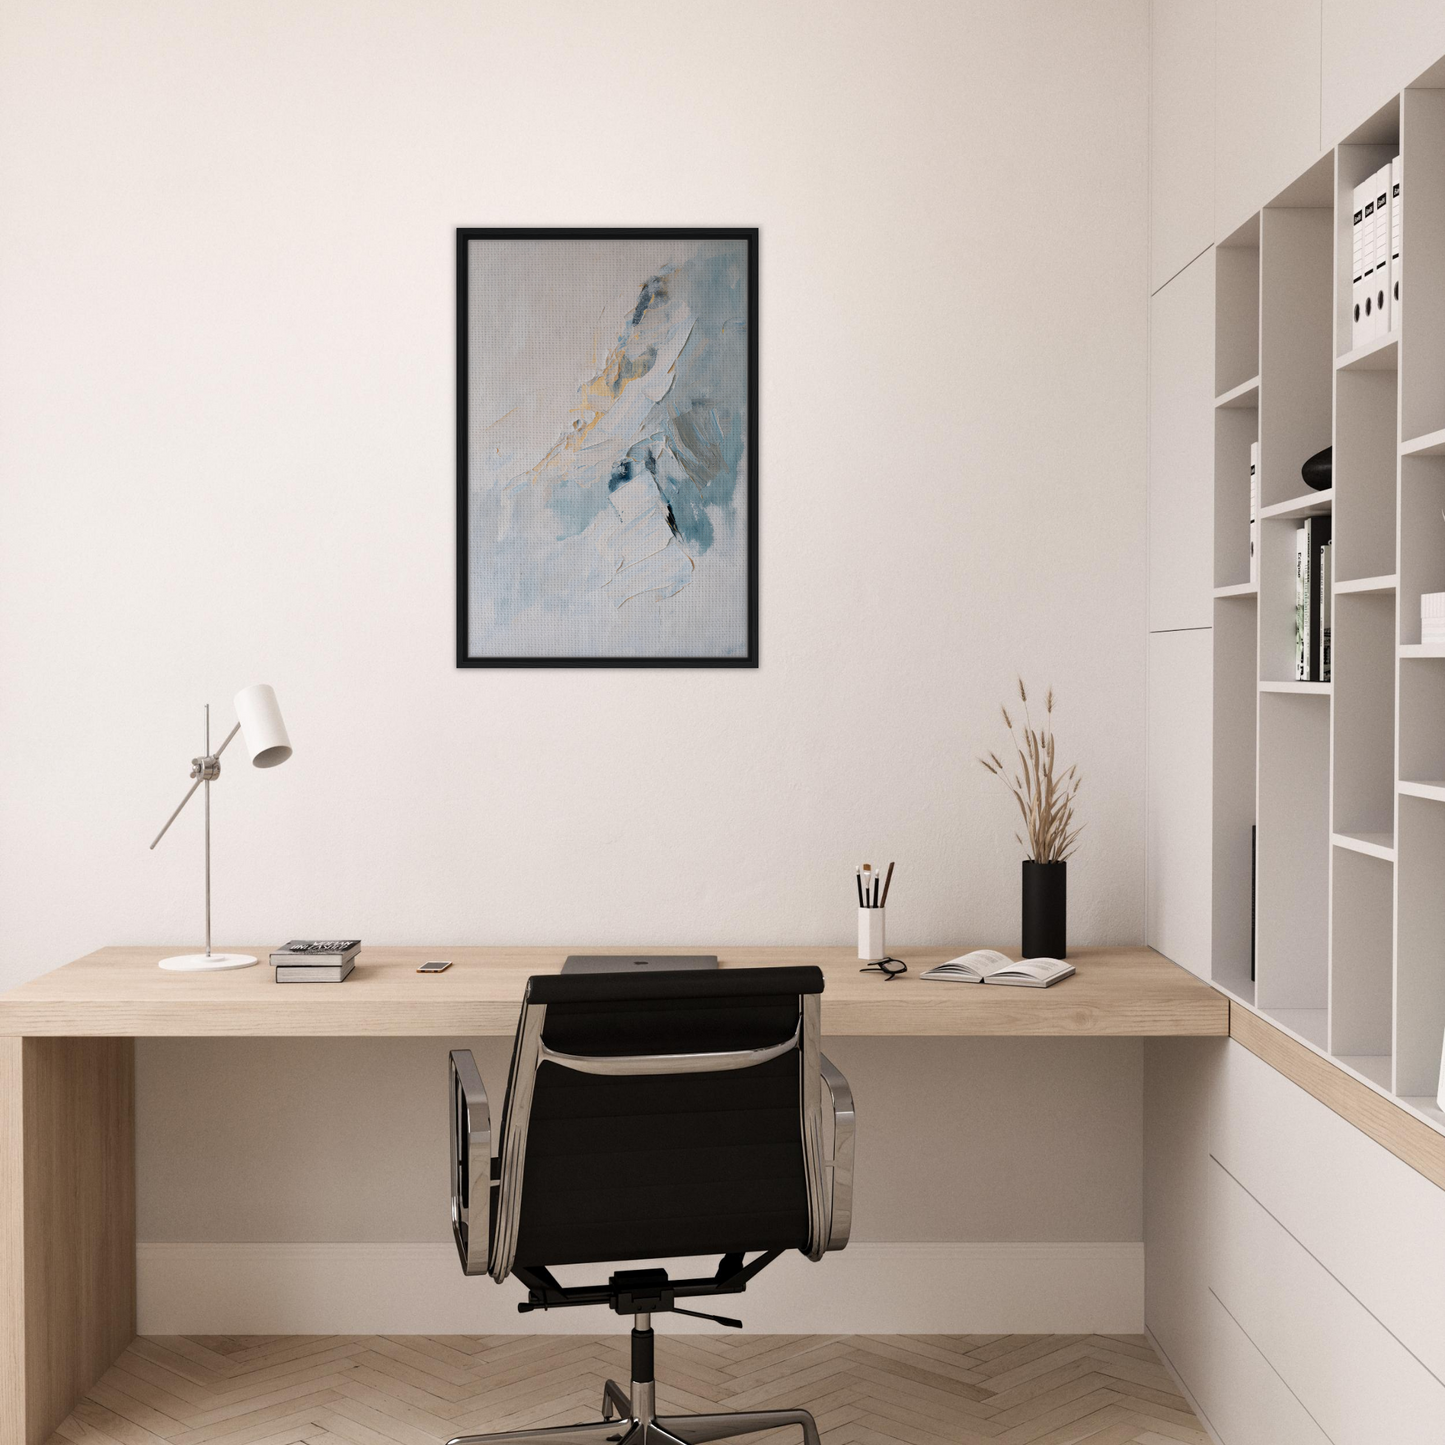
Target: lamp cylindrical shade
262, 730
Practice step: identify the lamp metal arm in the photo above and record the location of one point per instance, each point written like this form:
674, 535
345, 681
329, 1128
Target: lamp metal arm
204, 770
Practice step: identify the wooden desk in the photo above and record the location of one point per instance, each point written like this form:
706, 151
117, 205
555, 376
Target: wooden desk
67, 1091
119, 992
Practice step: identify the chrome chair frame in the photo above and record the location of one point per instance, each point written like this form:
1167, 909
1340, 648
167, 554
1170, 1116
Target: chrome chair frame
486, 1211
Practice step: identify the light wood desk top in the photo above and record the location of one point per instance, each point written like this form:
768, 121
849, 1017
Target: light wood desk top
119, 992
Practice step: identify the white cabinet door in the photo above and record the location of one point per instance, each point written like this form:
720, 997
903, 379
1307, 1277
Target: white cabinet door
1181, 134
1358, 1382
1370, 52
1246, 1401
1266, 102
1371, 1220
1181, 450
1178, 901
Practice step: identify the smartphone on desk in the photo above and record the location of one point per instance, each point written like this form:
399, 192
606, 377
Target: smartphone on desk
435, 965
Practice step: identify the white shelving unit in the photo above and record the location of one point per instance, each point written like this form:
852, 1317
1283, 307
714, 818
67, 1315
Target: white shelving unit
1344, 781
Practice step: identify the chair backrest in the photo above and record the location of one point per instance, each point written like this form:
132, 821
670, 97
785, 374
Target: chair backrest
662, 1115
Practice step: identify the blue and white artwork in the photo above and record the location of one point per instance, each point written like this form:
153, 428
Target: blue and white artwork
607, 491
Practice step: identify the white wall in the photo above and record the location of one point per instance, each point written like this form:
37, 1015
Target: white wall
1013, 1140
226, 348
226, 338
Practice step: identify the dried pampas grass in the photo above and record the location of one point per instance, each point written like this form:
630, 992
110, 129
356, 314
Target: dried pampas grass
1046, 801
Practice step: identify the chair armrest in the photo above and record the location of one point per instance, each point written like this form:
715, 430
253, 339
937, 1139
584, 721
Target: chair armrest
840, 1166
471, 1129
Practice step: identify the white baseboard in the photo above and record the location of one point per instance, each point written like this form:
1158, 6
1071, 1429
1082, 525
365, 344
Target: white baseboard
306, 1289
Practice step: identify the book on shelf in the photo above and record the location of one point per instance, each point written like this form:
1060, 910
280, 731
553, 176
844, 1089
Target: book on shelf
1301, 606
1326, 607
1311, 538
314, 972
988, 965
1254, 513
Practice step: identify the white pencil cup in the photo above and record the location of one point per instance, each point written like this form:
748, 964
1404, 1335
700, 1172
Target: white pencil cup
871, 946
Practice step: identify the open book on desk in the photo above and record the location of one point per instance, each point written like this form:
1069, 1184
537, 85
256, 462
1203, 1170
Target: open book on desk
987, 965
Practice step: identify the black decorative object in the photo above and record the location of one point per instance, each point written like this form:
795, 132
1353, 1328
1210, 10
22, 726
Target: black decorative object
1046, 909
1319, 471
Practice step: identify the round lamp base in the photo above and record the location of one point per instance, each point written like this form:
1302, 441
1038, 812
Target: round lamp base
207, 962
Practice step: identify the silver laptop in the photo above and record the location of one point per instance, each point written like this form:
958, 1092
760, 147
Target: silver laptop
637, 962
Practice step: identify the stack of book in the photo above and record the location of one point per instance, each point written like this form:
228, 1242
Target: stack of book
1375, 272
315, 960
1312, 601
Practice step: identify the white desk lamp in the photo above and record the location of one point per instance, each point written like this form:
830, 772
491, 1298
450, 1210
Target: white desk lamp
258, 720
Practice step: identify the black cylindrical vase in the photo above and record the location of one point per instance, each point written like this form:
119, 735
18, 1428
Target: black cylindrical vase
1046, 909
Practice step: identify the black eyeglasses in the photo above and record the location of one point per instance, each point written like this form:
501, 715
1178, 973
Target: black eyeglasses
890, 968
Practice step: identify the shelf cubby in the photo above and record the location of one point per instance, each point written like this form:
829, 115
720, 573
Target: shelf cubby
1296, 367
1420, 962
1422, 537
1422, 721
1236, 707
1365, 459
1422, 253
1362, 902
1364, 703
1235, 429
1236, 313
1294, 852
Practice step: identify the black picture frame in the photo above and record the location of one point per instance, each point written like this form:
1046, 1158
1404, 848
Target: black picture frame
465, 236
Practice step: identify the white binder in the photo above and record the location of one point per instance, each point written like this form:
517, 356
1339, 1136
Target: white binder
1396, 225
1382, 251
1357, 267
1367, 324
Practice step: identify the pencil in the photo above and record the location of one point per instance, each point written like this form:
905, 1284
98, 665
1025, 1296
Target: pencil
859, 881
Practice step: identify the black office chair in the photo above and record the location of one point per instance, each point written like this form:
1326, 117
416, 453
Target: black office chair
650, 1117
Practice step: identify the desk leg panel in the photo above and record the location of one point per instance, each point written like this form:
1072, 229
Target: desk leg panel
67, 1211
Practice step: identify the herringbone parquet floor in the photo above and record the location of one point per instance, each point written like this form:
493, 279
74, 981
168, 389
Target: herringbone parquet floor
419, 1390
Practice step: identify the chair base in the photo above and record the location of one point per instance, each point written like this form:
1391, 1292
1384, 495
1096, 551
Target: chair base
641, 1427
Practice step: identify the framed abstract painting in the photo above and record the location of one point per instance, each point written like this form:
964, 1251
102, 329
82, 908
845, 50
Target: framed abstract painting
607, 448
